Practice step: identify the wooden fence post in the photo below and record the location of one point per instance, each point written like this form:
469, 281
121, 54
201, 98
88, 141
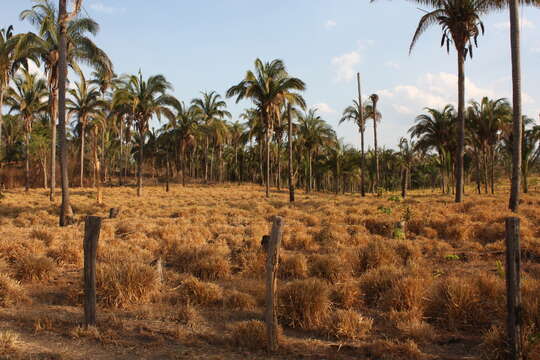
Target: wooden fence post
513, 265
272, 264
92, 227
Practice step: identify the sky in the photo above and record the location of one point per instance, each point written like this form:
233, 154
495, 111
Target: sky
207, 45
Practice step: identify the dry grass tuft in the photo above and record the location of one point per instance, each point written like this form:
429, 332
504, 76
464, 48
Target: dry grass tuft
9, 342
44, 235
304, 304
348, 324
237, 300
250, 334
80, 332
293, 267
34, 267
347, 295
120, 284
195, 291
208, 262
329, 267
11, 292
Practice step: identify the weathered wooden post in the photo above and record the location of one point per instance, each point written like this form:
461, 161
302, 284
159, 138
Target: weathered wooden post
92, 227
272, 264
513, 290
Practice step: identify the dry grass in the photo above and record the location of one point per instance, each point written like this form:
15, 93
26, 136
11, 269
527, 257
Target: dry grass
348, 324
305, 304
340, 267
9, 342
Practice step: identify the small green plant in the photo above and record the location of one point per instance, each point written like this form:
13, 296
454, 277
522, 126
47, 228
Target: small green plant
500, 268
452, 257
394, 198
385, 210
398, 234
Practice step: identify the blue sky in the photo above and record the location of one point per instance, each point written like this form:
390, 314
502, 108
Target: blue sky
209, 44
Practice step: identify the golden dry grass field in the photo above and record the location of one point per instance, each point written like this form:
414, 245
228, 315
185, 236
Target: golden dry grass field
351, 285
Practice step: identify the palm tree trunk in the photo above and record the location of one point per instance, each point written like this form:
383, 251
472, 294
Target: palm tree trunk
267, 137
1, 114
486, 177
66, 213
206, 162
516, 103
376, 151
291, 184
83, 128
167, 175
97, 169
140, 165
27, 163
461, 125
310, 173
44, 169
492, 171
404, 182
361, 128
53, 109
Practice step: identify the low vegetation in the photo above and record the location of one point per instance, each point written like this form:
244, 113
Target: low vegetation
344, 278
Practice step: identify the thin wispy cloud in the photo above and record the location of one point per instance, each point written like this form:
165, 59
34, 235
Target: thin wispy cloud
524, 24
392, 65
324, 108
105, 9
329, 24
345, 66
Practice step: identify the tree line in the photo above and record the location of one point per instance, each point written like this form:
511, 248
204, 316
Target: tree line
104, 122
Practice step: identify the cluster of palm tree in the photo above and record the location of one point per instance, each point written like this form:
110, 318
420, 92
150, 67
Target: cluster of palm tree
199, 141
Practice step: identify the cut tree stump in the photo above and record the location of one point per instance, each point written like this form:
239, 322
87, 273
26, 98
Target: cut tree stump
272, 265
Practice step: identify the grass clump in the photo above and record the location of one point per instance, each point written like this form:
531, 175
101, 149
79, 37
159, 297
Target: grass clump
34, 267
250, 334
293, 267
195, 291
348, 324
11, 291
208, 262
8, 343
305, 304
121, 284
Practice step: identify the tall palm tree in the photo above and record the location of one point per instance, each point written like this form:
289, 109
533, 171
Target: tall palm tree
47, 44
461, 26
148, 98
435, 131
27, 98
86, 105
376, 117
269, 87
10, 61
314, 132
407, 151
211, 109
184, 128
357, 114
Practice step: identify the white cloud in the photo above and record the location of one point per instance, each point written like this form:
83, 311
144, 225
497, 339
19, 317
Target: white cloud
102, 8
392, 65
330, 24
324, 108
402, 109
524, 24
344, 66
362, 44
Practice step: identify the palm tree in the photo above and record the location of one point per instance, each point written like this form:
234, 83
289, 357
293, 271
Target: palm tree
184, 127
269, 87
357, 114
10, 61
86, 105
148, 98
27, 98
371, 112
48, 45
461, 25
314, 132
211, 109
407, 150
435, 131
